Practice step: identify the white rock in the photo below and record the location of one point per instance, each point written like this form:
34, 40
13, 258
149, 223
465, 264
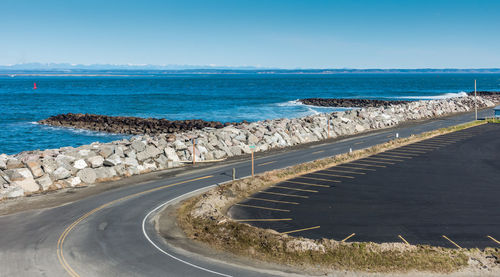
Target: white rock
80, 164
61, 173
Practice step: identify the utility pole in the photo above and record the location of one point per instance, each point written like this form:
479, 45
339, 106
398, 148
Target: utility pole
475, 97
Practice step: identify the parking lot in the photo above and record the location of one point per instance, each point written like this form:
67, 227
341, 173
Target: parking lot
443, 191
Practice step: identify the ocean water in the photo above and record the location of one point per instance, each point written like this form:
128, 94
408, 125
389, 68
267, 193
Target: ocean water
221, 97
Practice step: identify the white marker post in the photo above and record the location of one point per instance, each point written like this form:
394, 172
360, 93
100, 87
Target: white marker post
475, 97
251, 149
328, 126
350, 150
397, 135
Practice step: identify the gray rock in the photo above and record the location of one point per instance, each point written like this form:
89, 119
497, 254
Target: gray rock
13, 163
138, 146
49, 165
152, 151
162, 161
178, 145
119, 151
35, 168
61, 173
141, 156
130, 153
80, 164
171, 154
15, 192
87, 175
96, 161
105, 173
150, 165
13, 175
131, 162
3, 164
44, 182
120, 170
106, 151
113, 160
27, 183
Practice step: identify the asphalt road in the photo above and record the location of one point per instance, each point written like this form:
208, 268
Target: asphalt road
442, 191
109, 235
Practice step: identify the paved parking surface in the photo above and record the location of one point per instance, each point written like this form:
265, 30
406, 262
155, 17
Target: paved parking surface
443, 191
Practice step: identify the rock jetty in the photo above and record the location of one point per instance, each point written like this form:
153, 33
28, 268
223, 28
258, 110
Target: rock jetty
129, 125
354, 103
37, 171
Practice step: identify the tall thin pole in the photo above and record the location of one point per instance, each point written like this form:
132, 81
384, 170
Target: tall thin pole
328, 126
194, 151
252, 162
475, 97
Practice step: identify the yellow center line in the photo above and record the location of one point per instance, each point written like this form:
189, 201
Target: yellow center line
333, 175
62, 237
305, 190
395, 156
384, 159
345, 171
389, 136
403, 239
353, 167
300, 230
377, 162
348, 237
458, 246
317, 152
263, 219
306, 184
284, 194
374, 165
493, 239
319, 179
266, 163
272, 200
356, 143
261, 207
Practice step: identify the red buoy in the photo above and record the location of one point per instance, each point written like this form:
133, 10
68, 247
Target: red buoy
34, 85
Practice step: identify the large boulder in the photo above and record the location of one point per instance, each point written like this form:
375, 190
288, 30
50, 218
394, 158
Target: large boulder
131, 162
138, 146
27, 183
105, 173
61, 173
35, 167
96, 161
80, 164
49, 165
106, 151
113, 160
171, 154
44, 182
13, 163
87, 175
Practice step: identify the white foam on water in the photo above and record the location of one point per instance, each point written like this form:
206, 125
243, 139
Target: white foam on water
435, 97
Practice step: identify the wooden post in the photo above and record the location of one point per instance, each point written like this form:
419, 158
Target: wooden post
475, 97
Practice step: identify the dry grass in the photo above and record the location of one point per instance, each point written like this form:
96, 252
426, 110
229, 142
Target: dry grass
212, 226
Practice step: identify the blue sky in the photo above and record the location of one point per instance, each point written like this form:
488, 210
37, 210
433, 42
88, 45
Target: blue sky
271, 33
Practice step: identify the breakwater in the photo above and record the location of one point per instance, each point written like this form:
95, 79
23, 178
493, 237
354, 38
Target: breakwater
354, 103
129, 125
36, 171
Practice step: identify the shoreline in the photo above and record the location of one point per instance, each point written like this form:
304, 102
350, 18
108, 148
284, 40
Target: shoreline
32, 172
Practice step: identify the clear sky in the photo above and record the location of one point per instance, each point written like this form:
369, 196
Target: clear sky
269, 33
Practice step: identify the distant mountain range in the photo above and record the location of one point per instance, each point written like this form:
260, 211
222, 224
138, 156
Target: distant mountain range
67, 68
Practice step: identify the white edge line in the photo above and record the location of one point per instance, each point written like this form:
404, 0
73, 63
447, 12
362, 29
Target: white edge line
168, 254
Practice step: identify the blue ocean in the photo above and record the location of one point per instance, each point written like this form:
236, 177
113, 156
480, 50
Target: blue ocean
220, 97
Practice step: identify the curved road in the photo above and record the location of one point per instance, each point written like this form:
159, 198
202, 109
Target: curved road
108, 234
